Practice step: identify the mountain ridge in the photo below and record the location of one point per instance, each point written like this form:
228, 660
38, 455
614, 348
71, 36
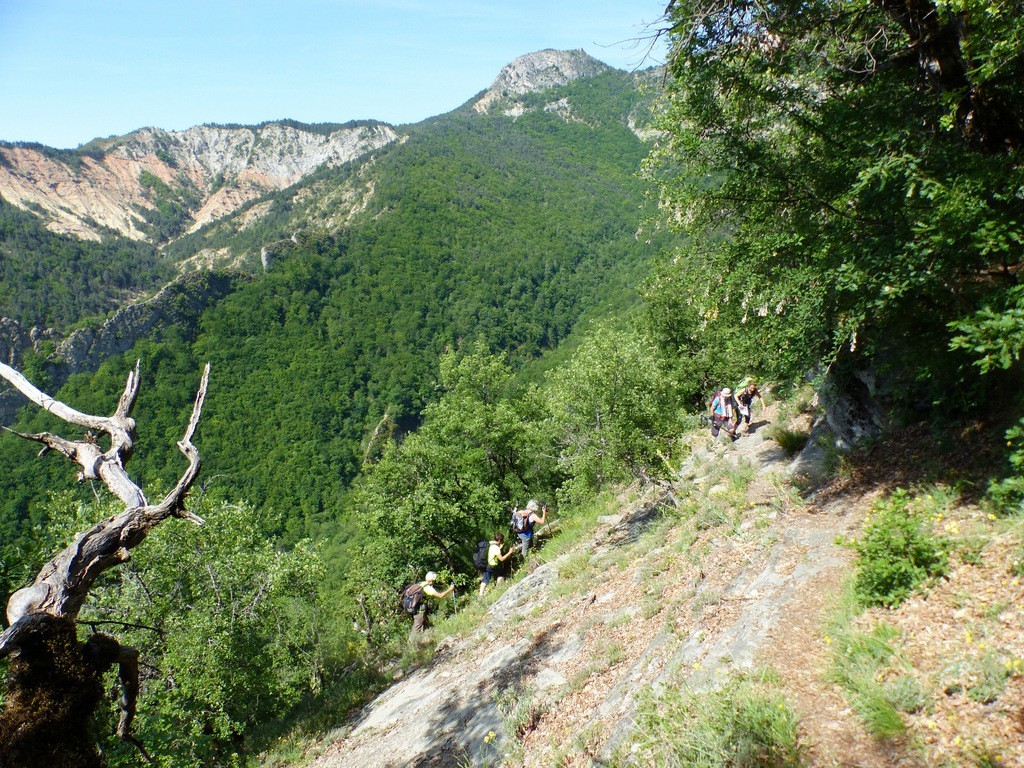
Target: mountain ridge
219, 168
156, 185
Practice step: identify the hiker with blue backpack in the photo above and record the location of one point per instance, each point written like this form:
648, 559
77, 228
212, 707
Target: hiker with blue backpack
523, 522
414, 600
493, 560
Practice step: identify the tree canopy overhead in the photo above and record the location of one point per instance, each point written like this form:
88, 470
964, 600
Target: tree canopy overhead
847, 173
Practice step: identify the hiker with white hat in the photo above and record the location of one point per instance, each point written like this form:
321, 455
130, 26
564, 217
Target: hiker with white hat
724, 412
414, 602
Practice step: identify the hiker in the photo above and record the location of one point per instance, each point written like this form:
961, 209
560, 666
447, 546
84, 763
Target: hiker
523, 522
746, 403
724, 413
495, 568
415, 602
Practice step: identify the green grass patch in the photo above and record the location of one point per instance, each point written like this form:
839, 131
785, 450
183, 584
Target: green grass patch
579, 525
518, 709
792, 441
745, 724
867, 666
740, 476
711, 515
575, 566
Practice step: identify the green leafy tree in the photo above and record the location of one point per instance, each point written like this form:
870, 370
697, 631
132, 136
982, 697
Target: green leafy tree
53, 280
497, 425
614, 410
847, 176
429, 498
232, 629
995, 337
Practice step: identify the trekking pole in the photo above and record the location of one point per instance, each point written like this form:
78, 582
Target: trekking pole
455, 604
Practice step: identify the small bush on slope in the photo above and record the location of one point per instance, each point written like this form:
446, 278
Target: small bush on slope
747, 724
896, 552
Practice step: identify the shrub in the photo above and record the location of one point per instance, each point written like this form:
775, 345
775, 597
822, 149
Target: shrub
790, 440
896, 553
877, 683
746, 724
990, 674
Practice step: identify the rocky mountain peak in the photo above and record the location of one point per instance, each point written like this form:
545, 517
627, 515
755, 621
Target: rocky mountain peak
157, 185
538, 71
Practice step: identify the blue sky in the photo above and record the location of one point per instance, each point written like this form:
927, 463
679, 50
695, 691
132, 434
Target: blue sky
72, 70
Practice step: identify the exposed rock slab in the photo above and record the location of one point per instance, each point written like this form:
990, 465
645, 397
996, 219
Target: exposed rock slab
710, 615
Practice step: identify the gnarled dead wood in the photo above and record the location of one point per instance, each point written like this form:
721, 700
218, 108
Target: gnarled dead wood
62, 584
42, 615
96, 464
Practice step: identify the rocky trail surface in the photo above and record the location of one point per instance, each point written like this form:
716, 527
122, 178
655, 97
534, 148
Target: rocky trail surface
666, 592
734, 567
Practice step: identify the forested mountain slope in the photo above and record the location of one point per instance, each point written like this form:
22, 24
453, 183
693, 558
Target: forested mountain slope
502, 228
838, 187
51, 281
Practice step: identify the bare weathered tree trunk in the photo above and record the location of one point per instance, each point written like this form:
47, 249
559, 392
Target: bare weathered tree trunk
55, 682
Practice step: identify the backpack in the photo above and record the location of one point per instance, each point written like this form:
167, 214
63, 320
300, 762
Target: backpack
520, 523
412, 597
480, 556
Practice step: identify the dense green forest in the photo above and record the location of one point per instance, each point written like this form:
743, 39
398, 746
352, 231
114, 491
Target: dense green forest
826, 202
849, 180
54, 281
481, 228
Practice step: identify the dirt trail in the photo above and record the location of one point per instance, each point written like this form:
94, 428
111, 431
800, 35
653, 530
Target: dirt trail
652, 600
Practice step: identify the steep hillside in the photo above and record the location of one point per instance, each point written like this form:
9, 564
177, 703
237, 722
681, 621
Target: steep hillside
52, 281
509, 230
155, 185
625, 637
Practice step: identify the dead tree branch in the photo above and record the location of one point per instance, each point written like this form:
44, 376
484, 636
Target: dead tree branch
47, 661
62, 584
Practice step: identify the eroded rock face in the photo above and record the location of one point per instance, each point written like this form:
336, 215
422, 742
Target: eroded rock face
539, 71
215, 169
853, 407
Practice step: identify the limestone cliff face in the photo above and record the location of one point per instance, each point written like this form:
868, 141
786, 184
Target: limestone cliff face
208, 172
211, 170
536, 72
